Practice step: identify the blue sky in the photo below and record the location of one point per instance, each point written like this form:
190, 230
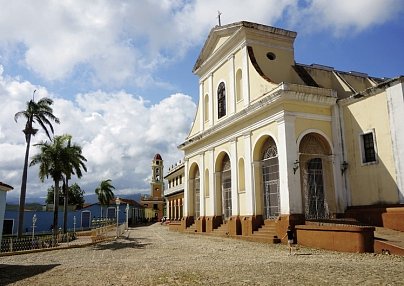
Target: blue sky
120, 72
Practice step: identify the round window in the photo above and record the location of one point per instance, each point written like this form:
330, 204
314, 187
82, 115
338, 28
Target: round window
271, 56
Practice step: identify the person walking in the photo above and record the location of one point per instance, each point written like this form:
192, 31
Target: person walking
290, 235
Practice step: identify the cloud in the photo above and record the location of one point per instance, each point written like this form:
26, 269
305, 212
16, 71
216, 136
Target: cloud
113, 43
119, 132
344, 15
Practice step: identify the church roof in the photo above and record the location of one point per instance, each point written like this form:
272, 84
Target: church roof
157, 157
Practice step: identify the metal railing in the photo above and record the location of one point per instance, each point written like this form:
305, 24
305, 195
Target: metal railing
14, 244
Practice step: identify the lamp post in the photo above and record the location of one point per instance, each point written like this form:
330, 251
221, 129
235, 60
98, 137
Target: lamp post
127, 216
33, 226
117, 202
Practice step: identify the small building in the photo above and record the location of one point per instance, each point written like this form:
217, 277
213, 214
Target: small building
154, 203
93, 213
174, 194
4, 188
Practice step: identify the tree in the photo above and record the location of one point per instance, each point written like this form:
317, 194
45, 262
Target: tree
105, 193
56, 159
36, 112
76, 196
73, 164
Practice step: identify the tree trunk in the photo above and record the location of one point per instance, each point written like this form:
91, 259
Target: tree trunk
23, 189
66, 203
55, 211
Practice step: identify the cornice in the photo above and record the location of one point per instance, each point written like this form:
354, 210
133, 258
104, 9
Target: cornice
283, 92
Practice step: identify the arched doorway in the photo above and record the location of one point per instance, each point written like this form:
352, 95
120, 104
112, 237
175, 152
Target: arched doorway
194, 191
315, 207
270, 179
315, 164
226, 187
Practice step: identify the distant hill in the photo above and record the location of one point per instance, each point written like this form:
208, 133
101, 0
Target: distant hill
29, 206
92, 199
35, 204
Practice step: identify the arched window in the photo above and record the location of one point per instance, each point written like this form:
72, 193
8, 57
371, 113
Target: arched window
221, 100
239, 85
206, 108
226, 187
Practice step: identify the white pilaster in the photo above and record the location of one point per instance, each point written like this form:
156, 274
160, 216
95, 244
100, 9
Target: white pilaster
168, 208
395, 104
212, 182
202, 209
290, 193
202, 107
339, 186
234, 178
249, 186
231, 92
186, 189
211, 100
246, 77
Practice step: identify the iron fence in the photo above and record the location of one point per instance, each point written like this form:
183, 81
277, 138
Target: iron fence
15, 244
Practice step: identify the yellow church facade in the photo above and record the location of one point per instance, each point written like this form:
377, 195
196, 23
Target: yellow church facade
276, 140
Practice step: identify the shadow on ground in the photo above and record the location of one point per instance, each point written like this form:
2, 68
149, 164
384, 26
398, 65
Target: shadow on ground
13, 273
121, 243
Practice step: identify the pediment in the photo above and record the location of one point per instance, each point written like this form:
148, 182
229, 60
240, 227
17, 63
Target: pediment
217, 38
221, 37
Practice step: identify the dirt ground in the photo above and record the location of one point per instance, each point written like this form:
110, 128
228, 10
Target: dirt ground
152, 255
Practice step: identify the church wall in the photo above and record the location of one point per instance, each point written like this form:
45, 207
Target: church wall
279, 69
303, 124
370, 183
258, 86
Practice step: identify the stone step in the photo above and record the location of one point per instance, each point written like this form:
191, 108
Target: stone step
191, 228
264, 239
270, 222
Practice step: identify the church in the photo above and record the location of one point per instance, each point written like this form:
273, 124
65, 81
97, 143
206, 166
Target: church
277, 141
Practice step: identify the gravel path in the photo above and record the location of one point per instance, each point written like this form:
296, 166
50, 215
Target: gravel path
153, 255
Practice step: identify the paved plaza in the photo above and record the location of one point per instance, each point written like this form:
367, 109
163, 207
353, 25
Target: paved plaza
152, 255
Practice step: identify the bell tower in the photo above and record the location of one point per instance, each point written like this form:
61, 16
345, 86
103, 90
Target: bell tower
157, 183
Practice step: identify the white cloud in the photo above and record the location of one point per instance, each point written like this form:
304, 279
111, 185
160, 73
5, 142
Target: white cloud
125, 42
119, 132
344, 15
115, 42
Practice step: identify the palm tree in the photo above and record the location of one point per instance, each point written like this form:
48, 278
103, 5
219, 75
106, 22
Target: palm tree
74, 161
55, 159
105, 193
36, 112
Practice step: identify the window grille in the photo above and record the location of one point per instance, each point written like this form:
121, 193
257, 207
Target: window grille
270, 180
221, 100
226, 188
368, 148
